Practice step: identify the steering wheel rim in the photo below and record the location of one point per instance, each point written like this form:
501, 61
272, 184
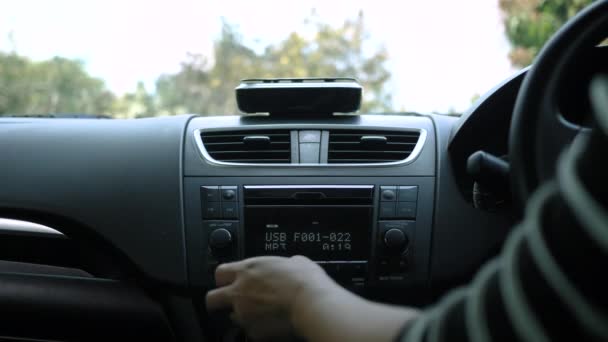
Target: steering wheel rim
538, 133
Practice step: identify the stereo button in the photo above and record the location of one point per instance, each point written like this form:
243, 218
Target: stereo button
395, 240
408, 193
228, 193
211, 210
388, 193
387, 210
229, 210
406, 210
220, 238
210, 193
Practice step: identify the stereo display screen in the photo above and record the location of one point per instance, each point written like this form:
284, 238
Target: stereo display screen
320, 233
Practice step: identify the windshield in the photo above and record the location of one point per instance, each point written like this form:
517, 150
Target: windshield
145, 58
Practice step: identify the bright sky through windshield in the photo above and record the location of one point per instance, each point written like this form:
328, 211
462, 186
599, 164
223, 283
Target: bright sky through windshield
441, 52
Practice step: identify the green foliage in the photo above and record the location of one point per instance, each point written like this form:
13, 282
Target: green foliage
57, 85
203, 85
208, 87
134, 105
530, 23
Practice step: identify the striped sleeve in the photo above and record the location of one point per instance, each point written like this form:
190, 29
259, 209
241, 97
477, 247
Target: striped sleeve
547, 284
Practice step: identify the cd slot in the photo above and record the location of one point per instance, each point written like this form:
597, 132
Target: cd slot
309, 195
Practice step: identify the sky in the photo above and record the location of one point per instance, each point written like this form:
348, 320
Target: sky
441, 52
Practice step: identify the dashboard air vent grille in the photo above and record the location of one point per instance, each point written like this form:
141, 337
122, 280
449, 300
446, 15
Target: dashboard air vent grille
249, 146
370, 146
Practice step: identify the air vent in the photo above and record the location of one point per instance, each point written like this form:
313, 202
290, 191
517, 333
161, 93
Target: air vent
250, 146
370, 146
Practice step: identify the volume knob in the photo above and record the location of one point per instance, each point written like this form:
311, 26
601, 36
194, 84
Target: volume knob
220, 238
395, 240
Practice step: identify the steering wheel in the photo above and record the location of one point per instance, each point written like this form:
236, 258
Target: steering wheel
538, 131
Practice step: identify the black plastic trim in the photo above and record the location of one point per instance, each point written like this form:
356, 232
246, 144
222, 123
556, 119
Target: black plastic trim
119, 180
78, 309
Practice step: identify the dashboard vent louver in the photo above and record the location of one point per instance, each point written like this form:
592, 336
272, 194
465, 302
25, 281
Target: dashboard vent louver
370, 146
249, 146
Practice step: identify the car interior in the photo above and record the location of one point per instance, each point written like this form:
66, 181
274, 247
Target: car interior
112, 229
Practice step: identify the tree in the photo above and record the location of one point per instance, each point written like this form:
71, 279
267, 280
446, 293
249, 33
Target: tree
57, 85
203, 85
530, 23
135, 105
207, 87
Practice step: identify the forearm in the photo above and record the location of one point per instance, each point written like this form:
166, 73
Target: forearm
343, 316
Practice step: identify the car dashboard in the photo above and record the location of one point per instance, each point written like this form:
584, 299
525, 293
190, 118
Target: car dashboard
381, 202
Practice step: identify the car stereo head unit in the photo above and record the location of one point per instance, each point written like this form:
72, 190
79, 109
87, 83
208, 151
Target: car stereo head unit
357, 233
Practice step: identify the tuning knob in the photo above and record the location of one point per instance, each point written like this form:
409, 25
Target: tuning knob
395, 240
219, 239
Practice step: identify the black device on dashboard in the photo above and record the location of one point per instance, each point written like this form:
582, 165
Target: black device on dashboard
354, 232
299, 96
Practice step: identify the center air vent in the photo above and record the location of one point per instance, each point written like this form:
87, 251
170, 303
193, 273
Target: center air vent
250, 146
370, 146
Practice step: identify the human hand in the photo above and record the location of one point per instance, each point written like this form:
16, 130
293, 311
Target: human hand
266, 293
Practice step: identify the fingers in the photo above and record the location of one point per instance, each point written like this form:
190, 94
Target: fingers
219, 299
225, 274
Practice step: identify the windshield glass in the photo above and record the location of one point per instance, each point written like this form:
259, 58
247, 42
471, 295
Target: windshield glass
150, 58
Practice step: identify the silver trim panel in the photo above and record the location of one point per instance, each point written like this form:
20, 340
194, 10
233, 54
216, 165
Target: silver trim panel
415, 152
18, 227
